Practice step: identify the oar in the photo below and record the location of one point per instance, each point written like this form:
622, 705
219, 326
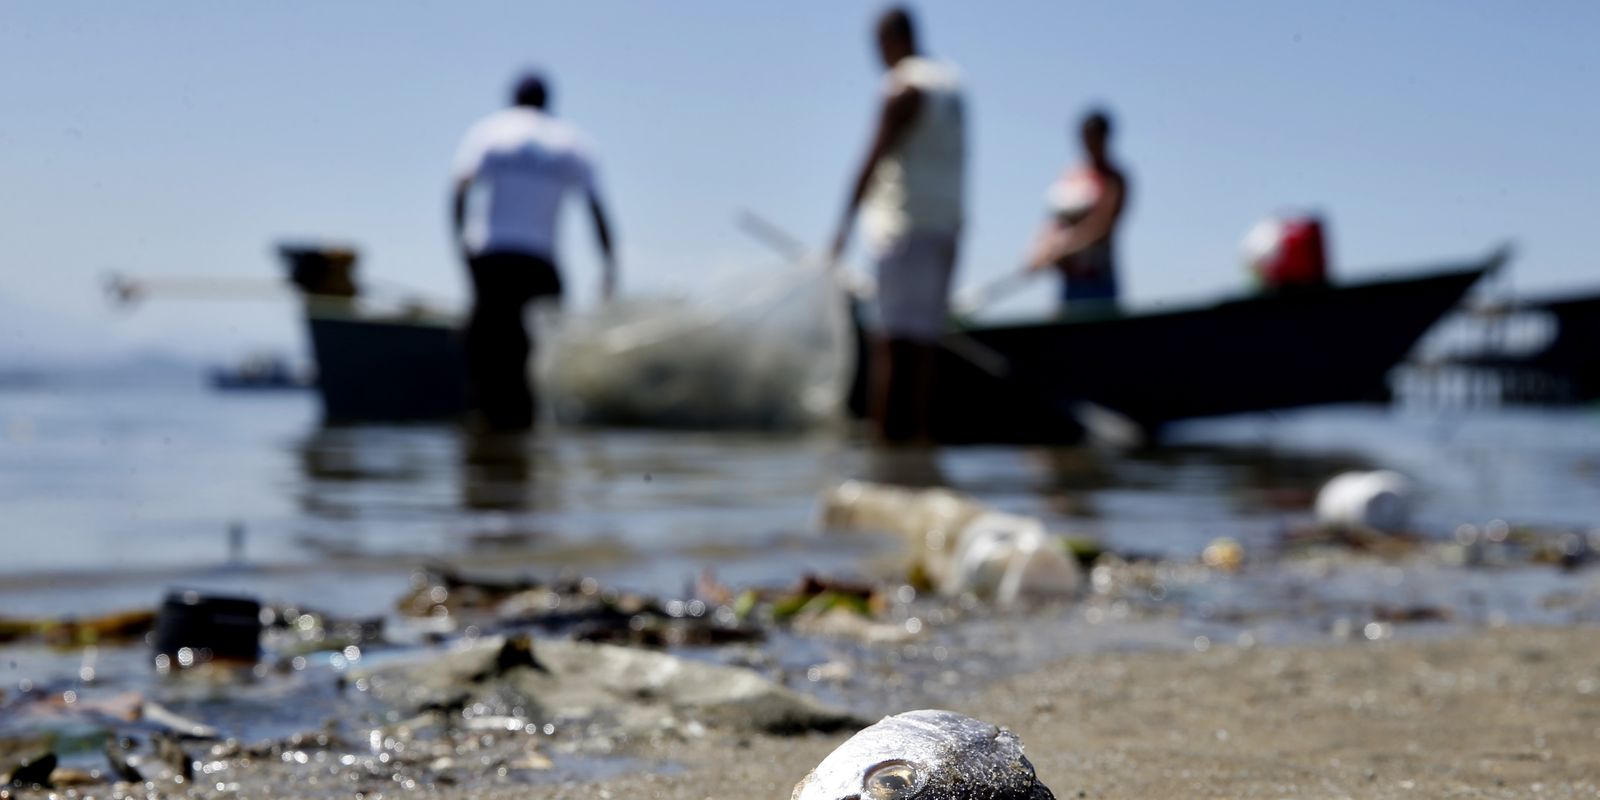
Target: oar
972, 299
773, 236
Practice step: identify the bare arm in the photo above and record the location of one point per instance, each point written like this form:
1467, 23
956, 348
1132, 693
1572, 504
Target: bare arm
899, 109
602, 233
1042, 253
458, 214
1093, 229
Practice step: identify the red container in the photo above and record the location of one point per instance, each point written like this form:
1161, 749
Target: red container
1301, 258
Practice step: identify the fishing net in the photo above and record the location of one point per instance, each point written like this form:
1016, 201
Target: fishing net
767, 350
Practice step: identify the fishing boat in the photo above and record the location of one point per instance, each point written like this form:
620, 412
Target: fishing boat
394, 366
261, 372
999, 382
1562, 367
1036, 382
375, 364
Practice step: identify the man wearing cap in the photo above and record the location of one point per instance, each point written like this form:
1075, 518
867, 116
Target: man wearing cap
909, 191
512, 171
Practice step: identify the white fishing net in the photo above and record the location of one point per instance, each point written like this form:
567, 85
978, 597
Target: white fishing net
763, 350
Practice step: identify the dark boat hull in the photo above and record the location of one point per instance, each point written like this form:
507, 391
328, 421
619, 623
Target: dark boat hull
1564, 371
1030, 383
1010, 383
229, 382
387, 369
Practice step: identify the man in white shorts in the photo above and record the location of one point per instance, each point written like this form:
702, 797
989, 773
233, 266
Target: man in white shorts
512, 172
909, 192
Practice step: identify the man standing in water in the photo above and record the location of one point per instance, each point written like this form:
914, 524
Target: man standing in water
512, 171
909, 191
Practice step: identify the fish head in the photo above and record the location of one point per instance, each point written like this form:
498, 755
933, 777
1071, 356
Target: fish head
925, 755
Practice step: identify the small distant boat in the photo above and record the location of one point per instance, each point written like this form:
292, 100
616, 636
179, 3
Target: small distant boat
1562, 369
258, 373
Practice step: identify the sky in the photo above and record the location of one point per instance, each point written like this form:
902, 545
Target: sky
187, 138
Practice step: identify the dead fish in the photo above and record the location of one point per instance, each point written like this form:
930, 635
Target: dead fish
926, 755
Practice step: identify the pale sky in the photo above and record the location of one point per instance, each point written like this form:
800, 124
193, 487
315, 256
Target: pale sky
189, 137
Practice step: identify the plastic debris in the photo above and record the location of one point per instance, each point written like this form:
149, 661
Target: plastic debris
194, 628
1223, 553
1006, 556
959, 545
1380, 500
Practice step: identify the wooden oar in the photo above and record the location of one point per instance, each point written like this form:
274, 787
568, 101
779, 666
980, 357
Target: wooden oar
972, 299
773, 236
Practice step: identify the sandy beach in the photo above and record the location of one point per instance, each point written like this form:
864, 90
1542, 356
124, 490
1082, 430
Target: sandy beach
1507, 713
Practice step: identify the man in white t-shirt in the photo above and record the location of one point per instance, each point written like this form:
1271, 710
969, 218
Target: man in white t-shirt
512, 172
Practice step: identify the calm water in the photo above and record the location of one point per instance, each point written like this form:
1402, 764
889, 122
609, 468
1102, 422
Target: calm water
111, 495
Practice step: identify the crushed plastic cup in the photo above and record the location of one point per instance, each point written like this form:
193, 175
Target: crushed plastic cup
1007, 557
959, 545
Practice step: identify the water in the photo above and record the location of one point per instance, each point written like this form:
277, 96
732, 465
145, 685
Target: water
111, 496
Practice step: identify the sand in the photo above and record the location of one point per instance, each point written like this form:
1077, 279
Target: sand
1497, 714
1507, 713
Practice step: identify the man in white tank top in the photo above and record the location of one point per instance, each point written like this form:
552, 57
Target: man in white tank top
909, 192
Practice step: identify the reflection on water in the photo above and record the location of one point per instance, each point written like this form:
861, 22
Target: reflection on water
911, 466
139, 491
609, 502
497, 472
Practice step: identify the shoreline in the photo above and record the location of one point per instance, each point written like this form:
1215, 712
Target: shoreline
1494, 713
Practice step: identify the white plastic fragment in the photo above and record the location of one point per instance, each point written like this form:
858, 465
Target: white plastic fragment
1379, 500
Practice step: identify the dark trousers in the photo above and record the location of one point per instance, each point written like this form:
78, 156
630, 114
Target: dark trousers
497, 341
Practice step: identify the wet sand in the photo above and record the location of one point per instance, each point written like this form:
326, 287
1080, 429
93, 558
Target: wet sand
1508, 713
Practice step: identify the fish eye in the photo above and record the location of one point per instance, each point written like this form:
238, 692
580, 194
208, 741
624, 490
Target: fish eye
891, 780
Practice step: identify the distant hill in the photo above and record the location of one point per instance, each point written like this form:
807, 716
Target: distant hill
150, 368
43, 347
